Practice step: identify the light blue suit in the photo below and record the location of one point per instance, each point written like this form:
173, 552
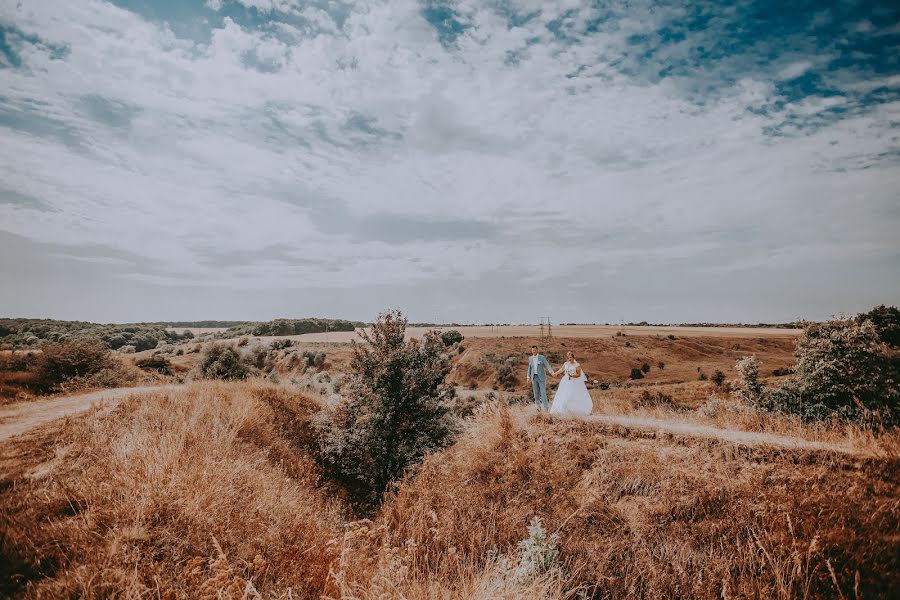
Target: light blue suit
538, 379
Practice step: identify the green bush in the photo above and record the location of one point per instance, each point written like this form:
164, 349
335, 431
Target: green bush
844, 369
395, 411
224, 362
157, 362
61, 362
645, 368
718, 377
636, 373
451, 337
507, 377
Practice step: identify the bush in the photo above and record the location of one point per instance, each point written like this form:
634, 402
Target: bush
645, 368
656, 399
718, 377
637, 373
64, 361
157, 362
394, 414
451, 337
844, 370
224, 362
506, 376
661, 365
702, 376
277, 344
886, 320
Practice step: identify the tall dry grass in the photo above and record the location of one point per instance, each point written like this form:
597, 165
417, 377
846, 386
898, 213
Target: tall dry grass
211, 492
637, 517
186, 494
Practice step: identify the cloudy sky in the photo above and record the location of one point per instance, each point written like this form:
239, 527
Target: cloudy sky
470, 161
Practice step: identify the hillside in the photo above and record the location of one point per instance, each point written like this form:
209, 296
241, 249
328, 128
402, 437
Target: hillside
224, 496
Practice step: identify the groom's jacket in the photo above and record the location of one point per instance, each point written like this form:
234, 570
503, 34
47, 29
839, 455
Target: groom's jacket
541, 373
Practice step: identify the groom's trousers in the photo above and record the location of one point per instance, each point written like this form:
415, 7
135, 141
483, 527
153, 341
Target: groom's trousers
540, 393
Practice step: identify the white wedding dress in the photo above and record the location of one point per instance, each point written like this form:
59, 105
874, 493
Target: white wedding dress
572, 396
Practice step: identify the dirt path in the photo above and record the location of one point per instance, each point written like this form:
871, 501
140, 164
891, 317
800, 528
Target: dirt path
18, 418
737, 436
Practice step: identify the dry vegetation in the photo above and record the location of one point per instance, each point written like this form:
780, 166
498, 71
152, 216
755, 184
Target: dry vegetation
212, 491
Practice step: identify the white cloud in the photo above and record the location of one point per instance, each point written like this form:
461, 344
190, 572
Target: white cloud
570, 150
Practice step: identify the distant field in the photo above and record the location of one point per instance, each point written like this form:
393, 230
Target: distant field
197, 330
571, 331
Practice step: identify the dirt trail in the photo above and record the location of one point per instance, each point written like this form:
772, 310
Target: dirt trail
18, 418
737, 436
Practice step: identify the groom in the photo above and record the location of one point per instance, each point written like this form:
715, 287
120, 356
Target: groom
538, 369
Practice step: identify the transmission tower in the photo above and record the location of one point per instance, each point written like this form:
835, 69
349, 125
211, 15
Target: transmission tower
549, 331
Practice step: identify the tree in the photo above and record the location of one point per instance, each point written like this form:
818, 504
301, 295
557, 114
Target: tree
224, 362
747, 386
718, 378
451, 337
394, 413
844, 369
63, 361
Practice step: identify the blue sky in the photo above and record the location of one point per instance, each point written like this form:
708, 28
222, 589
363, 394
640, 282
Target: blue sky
469, 161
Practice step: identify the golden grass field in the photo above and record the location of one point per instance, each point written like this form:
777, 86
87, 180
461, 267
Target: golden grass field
210, 490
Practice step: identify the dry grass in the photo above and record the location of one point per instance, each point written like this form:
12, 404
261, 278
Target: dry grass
639, 516
177, 496
706, 404
210, 492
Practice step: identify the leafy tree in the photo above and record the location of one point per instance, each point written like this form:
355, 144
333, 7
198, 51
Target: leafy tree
844, 369
451, 337
886, 320
224, 362
747, 386
718, 377
394, 412
63, 361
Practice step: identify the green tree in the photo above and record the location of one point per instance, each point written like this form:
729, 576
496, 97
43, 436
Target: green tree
394, 412
844, 369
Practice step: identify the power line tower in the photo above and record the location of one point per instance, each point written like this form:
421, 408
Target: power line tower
545, 337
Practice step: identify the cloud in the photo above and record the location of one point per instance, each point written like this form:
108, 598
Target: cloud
268, 143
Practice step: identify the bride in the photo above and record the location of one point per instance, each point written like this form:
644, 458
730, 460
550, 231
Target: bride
572, 396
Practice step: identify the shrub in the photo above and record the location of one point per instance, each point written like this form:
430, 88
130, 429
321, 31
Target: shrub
277, 344
537, 553
645, 368
718, 377
244, 341
655, 399
671, 337
637, 373
63, 361
460, 349
394, 414
702, 376
661, 365
157, 362
313, 359
451, 337
886, 320
844, 369
224, 362
506, 376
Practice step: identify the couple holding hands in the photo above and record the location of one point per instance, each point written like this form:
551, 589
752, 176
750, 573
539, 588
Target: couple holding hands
572, 396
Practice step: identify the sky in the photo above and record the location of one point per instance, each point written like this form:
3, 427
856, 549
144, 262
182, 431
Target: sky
494, 161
